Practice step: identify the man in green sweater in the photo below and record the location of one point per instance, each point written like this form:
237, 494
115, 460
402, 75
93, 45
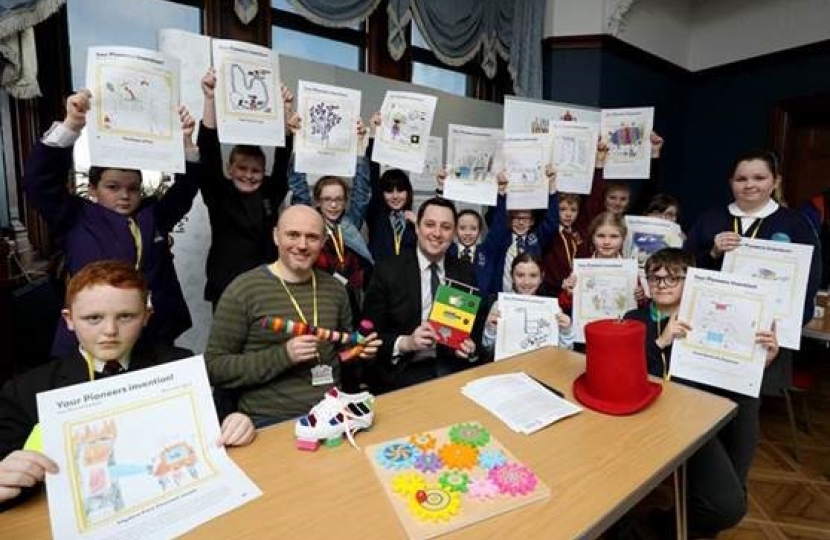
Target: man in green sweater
276, 376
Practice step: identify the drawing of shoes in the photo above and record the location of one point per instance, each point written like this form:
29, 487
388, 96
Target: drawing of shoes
337, 414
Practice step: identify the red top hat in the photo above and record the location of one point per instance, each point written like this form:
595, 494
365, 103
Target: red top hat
615, 379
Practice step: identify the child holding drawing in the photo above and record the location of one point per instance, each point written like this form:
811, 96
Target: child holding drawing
390, 219
117, 223
526, 271
568, 245
512, 234
242, 207
717, 472
107, 307
607, 233
469, 230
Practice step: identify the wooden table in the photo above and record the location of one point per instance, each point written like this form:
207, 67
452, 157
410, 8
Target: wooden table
597, 466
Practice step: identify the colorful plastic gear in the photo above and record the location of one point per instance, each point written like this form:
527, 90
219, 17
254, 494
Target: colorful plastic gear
513, 479
434, 504
428, 462
458, 456
456, 481
472, 434
408, 483
487, 459
424, 441
482, 489
397, 455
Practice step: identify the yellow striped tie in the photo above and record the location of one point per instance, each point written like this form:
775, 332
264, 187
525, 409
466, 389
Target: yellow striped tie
134, 230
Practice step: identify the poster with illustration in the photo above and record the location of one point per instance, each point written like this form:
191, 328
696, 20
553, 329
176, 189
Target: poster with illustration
471, 153
425, 182
785, 267
526, 323
574, 155
137, 455
402, 139
133, 122
524, 115
249, 108
645, 235
327, 142
724, 311
627, 133
524, 159
604, 290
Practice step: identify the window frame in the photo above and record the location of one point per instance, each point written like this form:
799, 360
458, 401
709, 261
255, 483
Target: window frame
351, 36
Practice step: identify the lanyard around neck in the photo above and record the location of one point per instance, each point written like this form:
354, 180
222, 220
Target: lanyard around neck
658, 317
336, 235
294, 300
736, 226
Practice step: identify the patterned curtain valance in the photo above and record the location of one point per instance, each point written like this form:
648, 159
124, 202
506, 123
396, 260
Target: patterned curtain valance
18, 58
458, 30
335, 13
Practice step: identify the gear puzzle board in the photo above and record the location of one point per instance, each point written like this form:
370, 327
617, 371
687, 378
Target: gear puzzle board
443, 480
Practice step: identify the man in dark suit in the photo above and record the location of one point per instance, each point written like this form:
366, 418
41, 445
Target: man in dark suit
107, 308
399, 298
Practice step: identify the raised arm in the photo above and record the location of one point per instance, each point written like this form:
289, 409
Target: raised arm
48, 166
361, 184
178, 200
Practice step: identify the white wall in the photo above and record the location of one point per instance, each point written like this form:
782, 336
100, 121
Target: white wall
698, 34
661, 27
731, 30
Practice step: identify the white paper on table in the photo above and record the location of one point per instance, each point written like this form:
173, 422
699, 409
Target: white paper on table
193, 53
406, 122
649, 234
786, 268
137, 455
523, 158
425, 181
471, 153
519, 401
249, 108
724, 311
526, 323
523, 115
574, 155
604, 290
628, 134
132, 122
327, 142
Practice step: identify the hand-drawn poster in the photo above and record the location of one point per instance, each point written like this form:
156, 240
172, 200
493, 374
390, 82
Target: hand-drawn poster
137, 455
628, 135
426, 181
249, 108
724, 311
523, 115
526, 323
574, 155
604, 290
327, 142
647, 235
193, 53
524, 158
471, 152
132, 122
786, 268
406, 122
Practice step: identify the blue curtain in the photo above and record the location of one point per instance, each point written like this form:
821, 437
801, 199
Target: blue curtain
18, 57
336, 13
458, 30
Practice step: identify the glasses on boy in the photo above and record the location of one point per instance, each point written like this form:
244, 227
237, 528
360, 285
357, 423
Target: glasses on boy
667, 281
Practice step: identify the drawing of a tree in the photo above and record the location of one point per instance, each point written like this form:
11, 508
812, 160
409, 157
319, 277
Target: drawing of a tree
323, 118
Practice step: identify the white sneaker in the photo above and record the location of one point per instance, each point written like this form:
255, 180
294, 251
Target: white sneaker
338, 413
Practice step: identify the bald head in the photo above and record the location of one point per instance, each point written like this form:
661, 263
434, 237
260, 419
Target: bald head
299, 235
301, 213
